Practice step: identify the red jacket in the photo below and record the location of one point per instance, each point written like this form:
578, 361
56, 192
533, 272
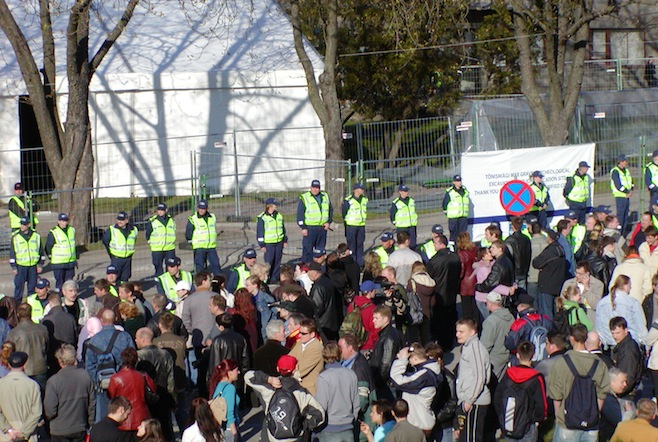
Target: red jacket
129, 383
467, 284
366, 318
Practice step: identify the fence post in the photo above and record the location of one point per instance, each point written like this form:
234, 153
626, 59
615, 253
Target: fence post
620, 80
451, 138
193, 177
202, 186
359, 144
476, 127
237, 179
640, 185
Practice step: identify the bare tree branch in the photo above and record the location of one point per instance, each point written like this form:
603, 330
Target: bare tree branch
113, 35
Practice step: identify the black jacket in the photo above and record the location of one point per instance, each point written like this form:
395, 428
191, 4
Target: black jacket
627, 357
552, 267
352, 271
520, 249
178, 328
445, 403
305, 306
323, 296
228, 345
445, 268
382, 356
502, 272
648, 306
267, 355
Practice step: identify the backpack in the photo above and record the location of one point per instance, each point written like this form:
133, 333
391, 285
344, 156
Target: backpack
415, 308
513, 408
353, 324
538, 338
106, 365
561, 321
219, 407
581, 408
284, 418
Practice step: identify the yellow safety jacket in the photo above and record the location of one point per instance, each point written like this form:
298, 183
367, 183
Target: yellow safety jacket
406, 215
315, 214
428, 248
163, 236
63, 251
357, 213
27, 252
168, 283
626, 182
541, 195
580, 191
205, 233
38, 312
120, 246
243, 274
458, 204
272, 227
383, 255
15, 219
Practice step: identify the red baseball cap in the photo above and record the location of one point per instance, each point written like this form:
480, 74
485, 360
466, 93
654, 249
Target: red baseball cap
286, 364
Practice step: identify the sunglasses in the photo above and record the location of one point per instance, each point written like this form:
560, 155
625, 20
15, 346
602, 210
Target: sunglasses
304, 333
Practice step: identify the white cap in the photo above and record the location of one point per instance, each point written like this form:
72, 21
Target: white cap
494, 297
183, 285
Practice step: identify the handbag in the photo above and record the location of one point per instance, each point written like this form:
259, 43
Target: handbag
150, 396
219, 408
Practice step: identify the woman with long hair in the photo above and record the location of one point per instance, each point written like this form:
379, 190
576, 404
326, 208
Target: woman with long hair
203, 426
421, 283
262, 300
8, 347
570, 302
150, 430
227, 372
467, 254
620, 303
244, 318
372, 267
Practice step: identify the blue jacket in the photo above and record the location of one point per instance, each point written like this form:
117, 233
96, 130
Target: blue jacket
101, 340
265, 313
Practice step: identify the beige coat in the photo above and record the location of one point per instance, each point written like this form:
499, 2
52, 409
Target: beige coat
650, 259
309, 363
640, 276
20, 408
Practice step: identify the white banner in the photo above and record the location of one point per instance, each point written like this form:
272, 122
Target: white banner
484, 173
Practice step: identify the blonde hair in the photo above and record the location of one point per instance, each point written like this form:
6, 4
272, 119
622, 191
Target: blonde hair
261, 271
567, 295
372, 264
620, 281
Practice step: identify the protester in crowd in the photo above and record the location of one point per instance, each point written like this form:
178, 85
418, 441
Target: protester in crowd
591, 289
603, 262
556, 346
245, 318
353, 359
204, 427
467, 253
395, 297
521, 329
636, 237
552, 267
520, 249
365, 302
20, 408
108, 429
350, 264
403, 258
617, 406
31, 339
228, 345
262, 301
444, 268
228, 373
308, 354
372, 267
403, 431
626, 354
130, 318
266, 357
639, 273
620, 303
647, 249
639, 429
570, 311
381, 415
388, 344
445, 403
150, 430
538, 243
6, 350
328, 309
494, 331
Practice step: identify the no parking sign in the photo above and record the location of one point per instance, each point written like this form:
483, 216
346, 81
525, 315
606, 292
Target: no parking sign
516, 197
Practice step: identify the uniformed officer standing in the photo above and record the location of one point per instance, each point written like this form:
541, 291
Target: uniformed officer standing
60, 248
403, 214
386, 248
202, 234
119, 240
161, 236
19, 207
242, 271
112, 279
355, 213
314, 216
166, 283
456, 203
576, 236
427, 249
577, 191
621, 184
26, 258
271, 237
651, 177
39, 300
542, 198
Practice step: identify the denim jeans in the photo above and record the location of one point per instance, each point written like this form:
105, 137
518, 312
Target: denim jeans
342, 436
565, 435
546, 304
484, 312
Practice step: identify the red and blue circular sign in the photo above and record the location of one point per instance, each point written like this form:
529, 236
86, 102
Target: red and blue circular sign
516, 197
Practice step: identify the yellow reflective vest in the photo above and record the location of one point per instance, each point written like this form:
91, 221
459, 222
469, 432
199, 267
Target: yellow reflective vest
168, 283
121, 246
541, 195
38, 312
15, 219
63, 251
406, 215
27, 252
458, 204
205, 233
163, 236
626, 181
580, 191
315, 214
272, 227
357, 212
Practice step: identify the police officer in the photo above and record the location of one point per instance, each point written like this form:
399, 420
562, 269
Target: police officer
577, 191
651, 177
542, 198
242, 271
621, 184
271, 236
60, 248
19, 207
403, 214
202, 234
112, 279
314, 216
427, 249
26, 258
39, 300
119, 240
161, 236
576, 236
456, 203
166, 283
386, 248
355, 213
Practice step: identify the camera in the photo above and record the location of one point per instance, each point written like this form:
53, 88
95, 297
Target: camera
274, 304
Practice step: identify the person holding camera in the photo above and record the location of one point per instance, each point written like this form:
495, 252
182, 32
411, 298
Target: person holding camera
395, 296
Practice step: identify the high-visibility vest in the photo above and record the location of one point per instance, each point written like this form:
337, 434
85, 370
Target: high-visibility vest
243, 273
27, 251
428, 248
626, 182
653, 169
205, 233
113, 291
315, 214
383, 254
120, 246
63, 251
163, 236
358, 211
168, 283
14, 219
38, 312
458, 204
577, 236
541, 195
580, 191
272, 227
406, 215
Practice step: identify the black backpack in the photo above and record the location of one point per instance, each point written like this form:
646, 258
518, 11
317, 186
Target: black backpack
561, 321
284, 418
512, 403
581, 408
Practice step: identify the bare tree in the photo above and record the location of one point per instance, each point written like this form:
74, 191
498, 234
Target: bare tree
67, 145
564, 29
